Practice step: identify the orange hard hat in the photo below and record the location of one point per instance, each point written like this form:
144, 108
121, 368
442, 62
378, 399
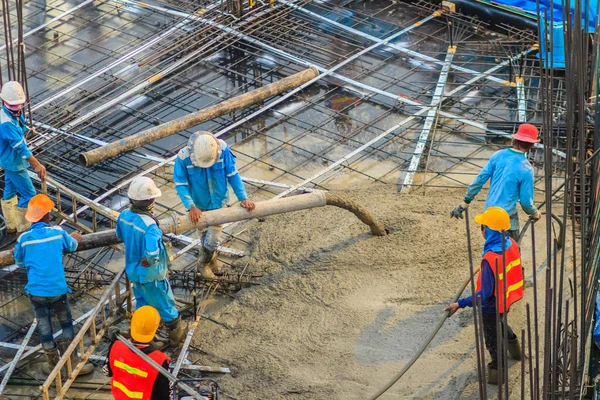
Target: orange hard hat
39, 205
527, 133
495, 218
144, 323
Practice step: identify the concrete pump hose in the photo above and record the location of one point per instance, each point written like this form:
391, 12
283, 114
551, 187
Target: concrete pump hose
423, 347
361, 213
442, 320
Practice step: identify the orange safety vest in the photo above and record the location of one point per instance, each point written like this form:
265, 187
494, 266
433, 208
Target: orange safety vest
133, 377
514, 276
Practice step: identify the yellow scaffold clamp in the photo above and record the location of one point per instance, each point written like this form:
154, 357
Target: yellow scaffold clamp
252, 3
272, 3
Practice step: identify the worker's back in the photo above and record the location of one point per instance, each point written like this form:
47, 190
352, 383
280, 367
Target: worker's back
142, 238
40, 251
512, 175
132, 376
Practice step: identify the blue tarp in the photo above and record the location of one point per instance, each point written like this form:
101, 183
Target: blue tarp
558, 48
597, 323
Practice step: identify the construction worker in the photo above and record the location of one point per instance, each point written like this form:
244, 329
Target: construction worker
146, 258
491, 284
15, 157
40, 251
202, 170
511, 177
132, 376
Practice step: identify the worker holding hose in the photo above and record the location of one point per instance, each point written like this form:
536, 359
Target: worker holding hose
511, 177
40, 251
492, 279
202, 171
15, 157
146, 258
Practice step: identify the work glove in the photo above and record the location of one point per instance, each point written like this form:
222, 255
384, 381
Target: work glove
112, 333
458, 211
536, 217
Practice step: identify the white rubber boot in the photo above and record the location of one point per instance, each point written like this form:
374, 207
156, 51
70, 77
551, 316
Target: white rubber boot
9, 208
22, 223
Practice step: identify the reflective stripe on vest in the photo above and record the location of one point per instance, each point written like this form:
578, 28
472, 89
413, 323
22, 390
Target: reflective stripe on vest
127, 392
133, 377
514, 276
131, 370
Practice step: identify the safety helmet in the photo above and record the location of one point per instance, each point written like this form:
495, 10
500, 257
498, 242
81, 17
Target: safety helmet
12, 93
527, 133
205, 149
143, 188
144, 323
38, 206
495, 218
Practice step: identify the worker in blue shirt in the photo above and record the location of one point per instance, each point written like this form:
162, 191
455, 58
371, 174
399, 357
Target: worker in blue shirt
202, 171
40, 250
511, 177
146, 258
493, 280
15, 157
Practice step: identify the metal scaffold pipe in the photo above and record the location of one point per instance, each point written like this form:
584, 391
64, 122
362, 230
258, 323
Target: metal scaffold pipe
180, 223
140, 139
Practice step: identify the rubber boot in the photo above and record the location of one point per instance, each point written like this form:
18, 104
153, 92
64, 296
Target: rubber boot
177, 331
8, 211
22, 223
214, 264
62, 347
202, 267
492, 376
51, 361
514, 349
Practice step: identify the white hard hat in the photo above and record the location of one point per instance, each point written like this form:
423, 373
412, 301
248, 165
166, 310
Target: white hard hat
206, 149
143, 188
12, 93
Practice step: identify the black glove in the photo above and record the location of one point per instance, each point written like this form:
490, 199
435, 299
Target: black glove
458, 211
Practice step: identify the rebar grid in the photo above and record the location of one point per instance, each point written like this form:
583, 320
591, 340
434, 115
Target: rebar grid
289, 143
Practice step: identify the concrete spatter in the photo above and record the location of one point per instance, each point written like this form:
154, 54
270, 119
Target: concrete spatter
339, 311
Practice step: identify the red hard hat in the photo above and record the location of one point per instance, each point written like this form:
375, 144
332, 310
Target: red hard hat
527, 133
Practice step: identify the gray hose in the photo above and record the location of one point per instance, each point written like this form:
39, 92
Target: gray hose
424, 346
433, 333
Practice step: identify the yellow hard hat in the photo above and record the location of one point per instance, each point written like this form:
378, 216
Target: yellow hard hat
144, 324
495, 218
38, 206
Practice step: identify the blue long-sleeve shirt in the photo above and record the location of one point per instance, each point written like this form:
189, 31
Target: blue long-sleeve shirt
206, 188
143, 239
511, 177
13, 147
486, 292
40, 251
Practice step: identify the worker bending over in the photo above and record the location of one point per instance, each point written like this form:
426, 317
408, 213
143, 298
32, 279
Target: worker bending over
146, 258
511, 177
202, 170
132, 376
490, 285
40, 251
15, 157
